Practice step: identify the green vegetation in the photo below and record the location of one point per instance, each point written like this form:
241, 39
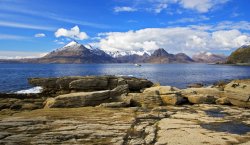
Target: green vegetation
241, 55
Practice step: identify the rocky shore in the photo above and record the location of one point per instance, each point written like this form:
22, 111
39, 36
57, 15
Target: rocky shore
126, 110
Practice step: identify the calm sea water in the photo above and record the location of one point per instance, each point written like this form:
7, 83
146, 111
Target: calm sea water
14, 76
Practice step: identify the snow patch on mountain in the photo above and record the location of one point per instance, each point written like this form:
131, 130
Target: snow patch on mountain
116, 54
71, 46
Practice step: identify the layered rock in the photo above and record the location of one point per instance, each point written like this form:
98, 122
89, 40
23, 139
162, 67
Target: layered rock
238, 92
130, 90
88, 83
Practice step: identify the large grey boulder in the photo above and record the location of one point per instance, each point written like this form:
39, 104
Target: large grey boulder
80, 99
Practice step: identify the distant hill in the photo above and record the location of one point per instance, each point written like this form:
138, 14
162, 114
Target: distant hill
207, 57
241, 55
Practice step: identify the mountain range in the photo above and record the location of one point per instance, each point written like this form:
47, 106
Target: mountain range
74, 52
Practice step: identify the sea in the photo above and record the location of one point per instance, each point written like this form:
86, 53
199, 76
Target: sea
13, 77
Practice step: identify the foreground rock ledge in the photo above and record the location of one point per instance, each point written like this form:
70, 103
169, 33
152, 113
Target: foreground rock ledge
125, 110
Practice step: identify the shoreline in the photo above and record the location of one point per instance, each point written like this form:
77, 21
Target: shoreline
125, 110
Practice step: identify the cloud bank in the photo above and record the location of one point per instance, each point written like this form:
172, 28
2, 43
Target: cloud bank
189, 39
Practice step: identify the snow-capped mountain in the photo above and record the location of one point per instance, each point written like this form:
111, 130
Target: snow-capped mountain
208, 57
74, 52
117, 54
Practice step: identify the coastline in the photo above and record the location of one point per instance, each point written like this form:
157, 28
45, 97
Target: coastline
125, 110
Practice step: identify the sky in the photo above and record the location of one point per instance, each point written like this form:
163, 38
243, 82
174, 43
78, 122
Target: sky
32, 28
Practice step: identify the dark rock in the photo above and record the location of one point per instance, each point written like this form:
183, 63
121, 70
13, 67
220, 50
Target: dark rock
195, 85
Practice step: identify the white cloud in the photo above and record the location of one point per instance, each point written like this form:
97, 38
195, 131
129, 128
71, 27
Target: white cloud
40, 35
201, 6
179, 39
25, 26
124, 9
242, 25
73, 33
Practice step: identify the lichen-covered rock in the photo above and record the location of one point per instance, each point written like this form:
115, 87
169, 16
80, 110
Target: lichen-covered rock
80, 99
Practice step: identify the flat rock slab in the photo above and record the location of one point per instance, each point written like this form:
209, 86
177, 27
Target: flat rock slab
86, 125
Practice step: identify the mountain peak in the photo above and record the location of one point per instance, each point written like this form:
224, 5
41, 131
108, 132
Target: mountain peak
160, 52
72, 43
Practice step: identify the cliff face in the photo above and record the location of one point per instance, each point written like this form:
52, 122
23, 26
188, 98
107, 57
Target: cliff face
241, 55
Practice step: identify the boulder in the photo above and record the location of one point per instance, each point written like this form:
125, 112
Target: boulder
98, 83
238, 86
136, 84
203, 91
239, 99
163, 90
238, 92
195, 85
173, 99
79, 99
223, 101
44, 82
201, 99
63, 82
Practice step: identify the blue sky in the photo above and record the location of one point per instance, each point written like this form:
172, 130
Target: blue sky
30, 28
